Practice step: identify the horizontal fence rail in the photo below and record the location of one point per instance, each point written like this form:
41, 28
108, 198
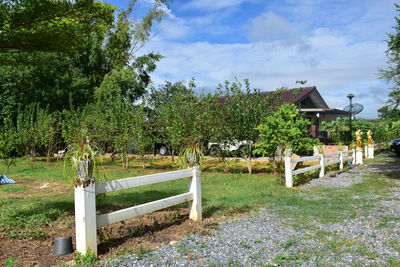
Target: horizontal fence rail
305, 159
303, 170
323, 159
356, 156
87, 221
120, 215
141, 181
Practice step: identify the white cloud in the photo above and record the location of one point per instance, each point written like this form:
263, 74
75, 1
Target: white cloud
337, 59
174, 29
342, 68
212, 4
270, 26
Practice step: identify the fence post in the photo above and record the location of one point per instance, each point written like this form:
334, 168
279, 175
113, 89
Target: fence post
288, 168
371, 151
354, 156
195, 188
321, 162
341, 160
85, 216
359, 157
366, 152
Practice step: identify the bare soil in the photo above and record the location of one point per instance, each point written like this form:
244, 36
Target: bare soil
139, 233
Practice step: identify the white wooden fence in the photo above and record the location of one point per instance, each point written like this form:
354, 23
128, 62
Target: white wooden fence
87, 222
323, 159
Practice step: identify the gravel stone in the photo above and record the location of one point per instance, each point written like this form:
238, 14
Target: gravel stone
372, 238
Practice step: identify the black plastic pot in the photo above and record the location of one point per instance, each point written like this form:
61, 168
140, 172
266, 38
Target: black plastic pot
62, 246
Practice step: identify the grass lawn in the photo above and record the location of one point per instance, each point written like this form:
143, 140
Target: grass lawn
43, 197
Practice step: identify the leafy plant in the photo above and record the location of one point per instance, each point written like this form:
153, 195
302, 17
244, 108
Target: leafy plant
48, 130
289, 243
81, 158
88, 259
286, 128
233, 113
191, 155
141, 252
27, 129
176, 111
183, 249
11, 262
244, 244
7, 142
321, 148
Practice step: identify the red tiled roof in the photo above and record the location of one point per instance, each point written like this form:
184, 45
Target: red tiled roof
287, 96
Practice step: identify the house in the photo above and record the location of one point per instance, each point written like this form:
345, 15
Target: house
315, 108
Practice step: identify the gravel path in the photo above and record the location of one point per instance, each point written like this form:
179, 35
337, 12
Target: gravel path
268, 239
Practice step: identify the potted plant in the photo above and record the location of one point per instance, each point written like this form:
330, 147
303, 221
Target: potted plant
191, 155
81, 158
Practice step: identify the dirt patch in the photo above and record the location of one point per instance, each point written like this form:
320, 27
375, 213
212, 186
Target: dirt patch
143, 232
34, 188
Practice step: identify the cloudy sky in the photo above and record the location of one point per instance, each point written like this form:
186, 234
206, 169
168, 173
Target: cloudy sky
337, 46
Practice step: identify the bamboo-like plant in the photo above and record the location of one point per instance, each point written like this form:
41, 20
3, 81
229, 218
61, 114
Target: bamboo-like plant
81, 157
191, 155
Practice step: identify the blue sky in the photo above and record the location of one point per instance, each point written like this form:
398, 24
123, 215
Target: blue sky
337, 46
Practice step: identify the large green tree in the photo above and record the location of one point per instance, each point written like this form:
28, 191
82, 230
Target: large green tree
237, 111
58, 80
175, 115
51, 25
286, 128
392, 73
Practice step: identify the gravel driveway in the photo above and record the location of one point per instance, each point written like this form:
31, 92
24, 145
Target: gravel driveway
273, 236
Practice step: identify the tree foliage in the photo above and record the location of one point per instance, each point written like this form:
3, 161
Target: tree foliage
286, 128
175, 111
51, 25
235, 113
392, 73
59, 80
8, 141
382, 130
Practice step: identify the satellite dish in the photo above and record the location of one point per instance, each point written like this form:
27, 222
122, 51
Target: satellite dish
355, 108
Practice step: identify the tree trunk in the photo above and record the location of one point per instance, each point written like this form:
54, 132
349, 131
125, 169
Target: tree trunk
249, 165
32, 153
173, 155
125, 161
142, 156
225, 164
48, 155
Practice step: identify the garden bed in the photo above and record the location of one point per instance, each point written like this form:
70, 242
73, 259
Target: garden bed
136, 234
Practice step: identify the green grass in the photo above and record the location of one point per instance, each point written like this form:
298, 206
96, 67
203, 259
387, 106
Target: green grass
23, 212
11, 188
329, 205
